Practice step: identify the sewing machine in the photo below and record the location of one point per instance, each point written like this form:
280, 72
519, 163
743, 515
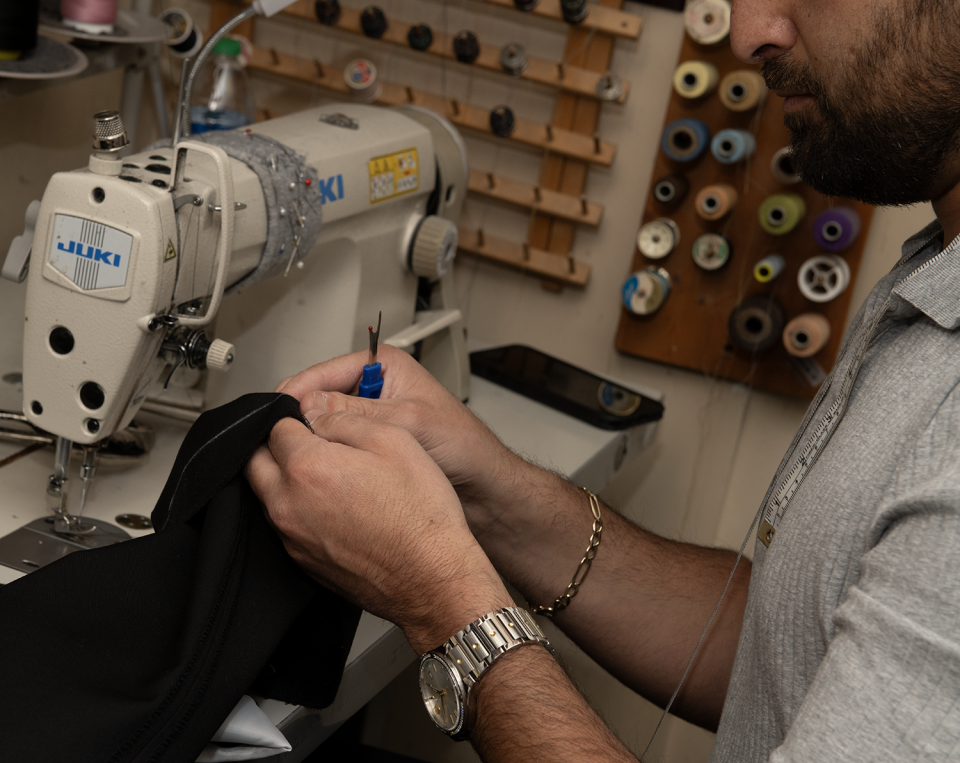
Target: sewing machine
129, 261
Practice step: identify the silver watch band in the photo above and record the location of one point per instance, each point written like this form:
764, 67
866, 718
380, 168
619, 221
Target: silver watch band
472, 650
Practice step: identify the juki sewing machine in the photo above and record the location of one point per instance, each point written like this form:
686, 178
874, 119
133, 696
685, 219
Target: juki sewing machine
318, 221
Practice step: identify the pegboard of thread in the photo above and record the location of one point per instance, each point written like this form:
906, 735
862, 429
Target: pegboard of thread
728, 236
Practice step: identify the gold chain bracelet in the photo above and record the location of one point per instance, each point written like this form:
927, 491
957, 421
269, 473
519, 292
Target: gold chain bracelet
563, 601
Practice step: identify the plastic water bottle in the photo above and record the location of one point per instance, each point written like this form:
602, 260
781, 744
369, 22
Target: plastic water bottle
223, 100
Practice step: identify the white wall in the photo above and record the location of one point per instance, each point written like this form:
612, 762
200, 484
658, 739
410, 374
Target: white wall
718, 444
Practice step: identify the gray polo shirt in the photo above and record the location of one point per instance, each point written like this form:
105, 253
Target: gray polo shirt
850, 649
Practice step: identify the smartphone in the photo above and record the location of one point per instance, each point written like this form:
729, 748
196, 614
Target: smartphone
569, 389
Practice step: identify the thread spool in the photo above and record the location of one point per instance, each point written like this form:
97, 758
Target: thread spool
466, 47
658, 238
708, 21
835, 229
373, 22
513, 59
685, 139
782, 167
695, 79
806, 335
823, 278
360, 76
574, 11
645, 291
756, 324
768, 268
671, 190
420, 37
525, 5
609, 87
327, 12
742, 90
90, 16
18, 28
731, 146
502, 122
716, 201
183, 39
781, 213
711, 251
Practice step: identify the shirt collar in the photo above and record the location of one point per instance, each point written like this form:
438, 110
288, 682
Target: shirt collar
933, 286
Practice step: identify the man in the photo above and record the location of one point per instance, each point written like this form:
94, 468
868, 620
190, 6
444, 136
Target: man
842, 642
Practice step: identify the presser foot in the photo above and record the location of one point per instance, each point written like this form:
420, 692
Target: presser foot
38, 543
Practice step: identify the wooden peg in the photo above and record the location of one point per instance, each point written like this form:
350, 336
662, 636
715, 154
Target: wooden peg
410, 98
596, 144
561, 71
274, 56
549, 134
536, 193
456, 108
479, 238
490, 181
319, 67
571, 266
526, 252
583, 205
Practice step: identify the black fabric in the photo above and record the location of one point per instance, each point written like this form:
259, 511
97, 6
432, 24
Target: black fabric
138, 651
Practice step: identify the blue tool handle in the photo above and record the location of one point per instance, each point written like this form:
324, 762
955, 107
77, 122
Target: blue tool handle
371, 382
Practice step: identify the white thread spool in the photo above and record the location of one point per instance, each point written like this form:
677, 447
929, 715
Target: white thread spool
658, 238
823, 278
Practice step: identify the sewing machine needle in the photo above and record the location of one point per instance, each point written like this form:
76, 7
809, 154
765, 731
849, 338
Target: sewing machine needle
371, 381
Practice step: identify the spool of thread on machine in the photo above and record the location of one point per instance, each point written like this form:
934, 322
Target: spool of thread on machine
18, 28
806, 335
90, 16
184, 38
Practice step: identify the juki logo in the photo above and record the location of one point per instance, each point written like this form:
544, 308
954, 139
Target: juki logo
327, 190
91, 253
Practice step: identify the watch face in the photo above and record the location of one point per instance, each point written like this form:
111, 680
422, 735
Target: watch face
441, 693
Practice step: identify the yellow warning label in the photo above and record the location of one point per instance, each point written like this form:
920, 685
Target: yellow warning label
171, 252
393, 175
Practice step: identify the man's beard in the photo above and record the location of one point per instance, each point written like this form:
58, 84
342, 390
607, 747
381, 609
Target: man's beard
884, 128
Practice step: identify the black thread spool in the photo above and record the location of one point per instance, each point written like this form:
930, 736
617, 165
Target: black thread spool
420, 37
373, 22
671, 190
757, 323
502, 122
525, 5
328, 12
466, 47
18, 26
574, 11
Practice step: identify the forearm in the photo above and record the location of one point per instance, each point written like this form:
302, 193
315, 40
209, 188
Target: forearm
645, 602
527, 709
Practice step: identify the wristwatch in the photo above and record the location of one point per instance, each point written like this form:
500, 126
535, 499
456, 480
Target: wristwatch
447, 674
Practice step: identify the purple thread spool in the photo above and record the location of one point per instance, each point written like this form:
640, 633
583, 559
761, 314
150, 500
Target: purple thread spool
836, 228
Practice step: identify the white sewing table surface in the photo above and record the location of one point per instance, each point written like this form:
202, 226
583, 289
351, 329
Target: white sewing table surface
379, 650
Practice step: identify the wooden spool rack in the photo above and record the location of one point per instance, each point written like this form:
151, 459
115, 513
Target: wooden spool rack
690, 329
570, 142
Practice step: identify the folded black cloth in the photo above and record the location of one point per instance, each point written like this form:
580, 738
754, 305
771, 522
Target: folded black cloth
138, 651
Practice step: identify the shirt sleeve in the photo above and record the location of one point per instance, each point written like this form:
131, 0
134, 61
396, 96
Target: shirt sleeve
889, 686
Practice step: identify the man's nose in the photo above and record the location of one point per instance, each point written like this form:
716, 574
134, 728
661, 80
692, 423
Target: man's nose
761, 29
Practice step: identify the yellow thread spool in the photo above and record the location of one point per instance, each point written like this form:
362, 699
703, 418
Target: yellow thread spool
716, 201
695, 79
742, 90
768, 268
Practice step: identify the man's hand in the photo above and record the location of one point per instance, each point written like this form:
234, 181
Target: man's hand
364, 510
476, 463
